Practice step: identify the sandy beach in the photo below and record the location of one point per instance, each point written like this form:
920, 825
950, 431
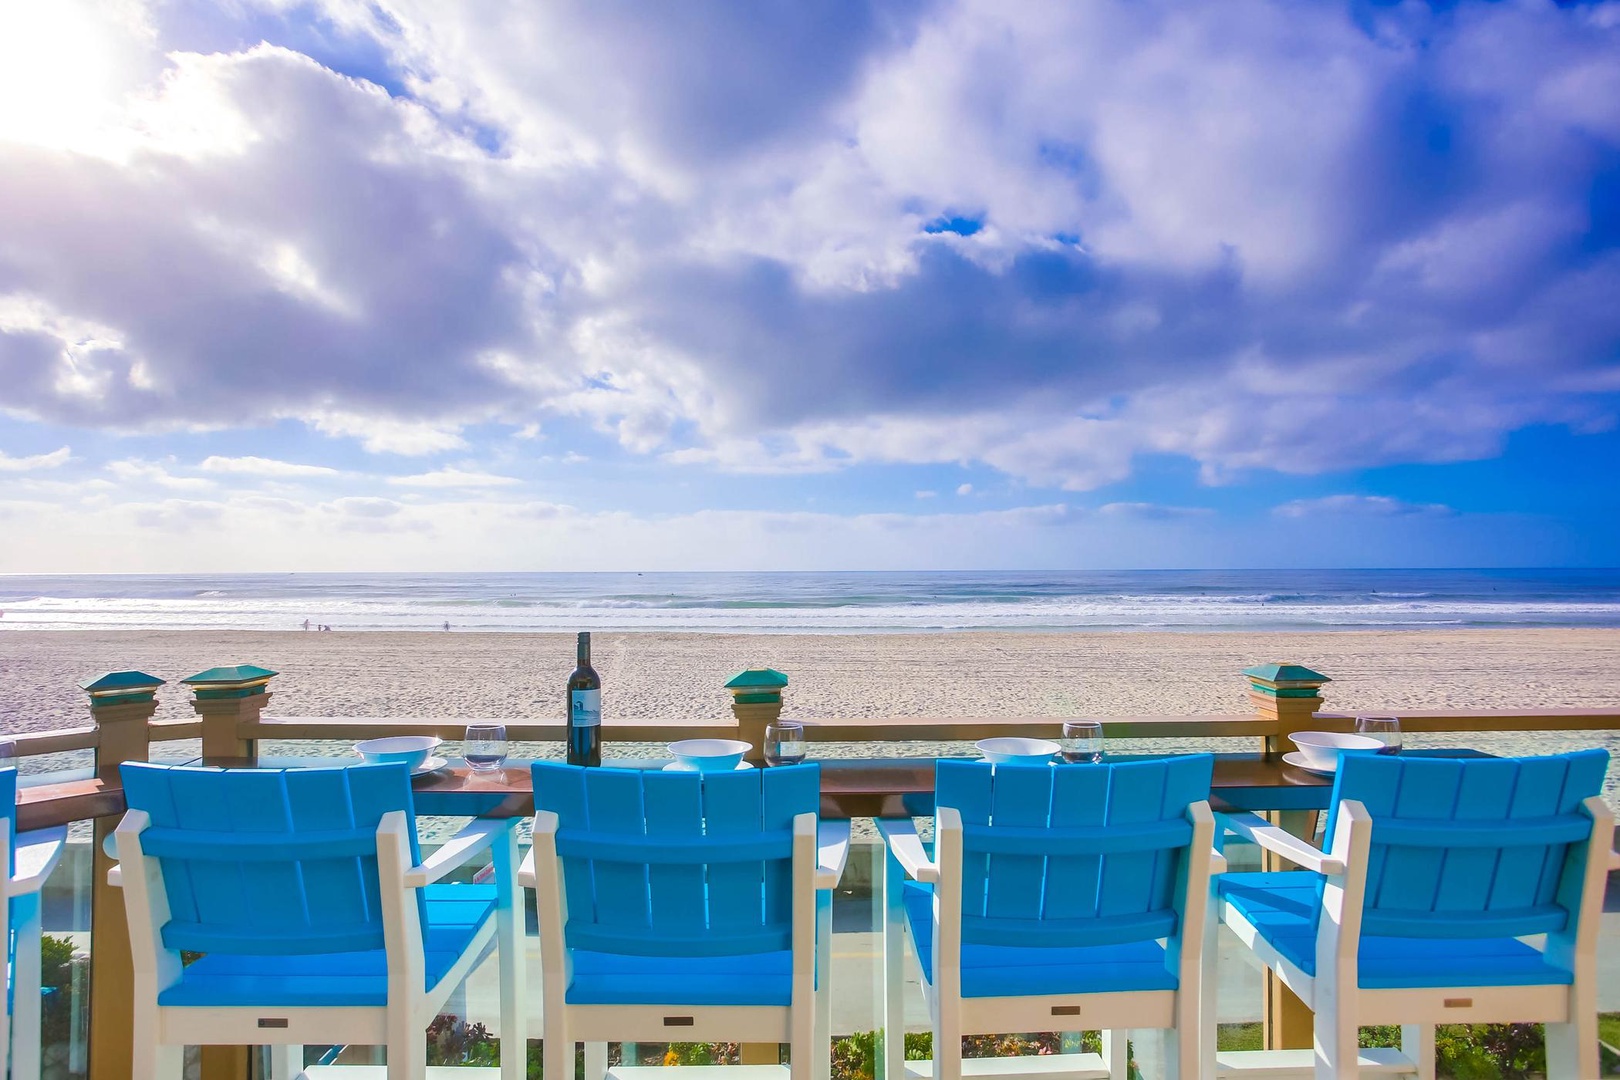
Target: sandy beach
680, 675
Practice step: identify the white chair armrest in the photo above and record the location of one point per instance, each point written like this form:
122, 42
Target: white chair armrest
455, 852
37, 854
526, 876
907, 848
832, 852
1281, 842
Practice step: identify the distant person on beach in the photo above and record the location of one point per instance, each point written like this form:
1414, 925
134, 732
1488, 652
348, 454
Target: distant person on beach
447, 626
306, 626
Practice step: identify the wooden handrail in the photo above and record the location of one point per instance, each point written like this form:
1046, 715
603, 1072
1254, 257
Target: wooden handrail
1470, 720
938, 729
852, 730
170, 730
35, 743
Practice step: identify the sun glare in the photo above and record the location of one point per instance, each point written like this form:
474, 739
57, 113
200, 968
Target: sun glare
57, 76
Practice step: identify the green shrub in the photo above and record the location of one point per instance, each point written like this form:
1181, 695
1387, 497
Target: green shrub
57, 963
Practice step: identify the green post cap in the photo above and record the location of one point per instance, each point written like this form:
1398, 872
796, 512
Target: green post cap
757, 686
237, 681
121, 688
1285, 680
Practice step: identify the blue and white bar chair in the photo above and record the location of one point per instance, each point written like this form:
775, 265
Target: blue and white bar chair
1435, 873
1056, 897
681, 907
29, 859
317, 918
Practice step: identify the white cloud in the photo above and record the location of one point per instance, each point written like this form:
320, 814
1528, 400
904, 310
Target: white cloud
1360, 505
1269, 236
52, 460
381, 435
451, 477
477, 534
150, 472
259, 466
964, 489
1153, 511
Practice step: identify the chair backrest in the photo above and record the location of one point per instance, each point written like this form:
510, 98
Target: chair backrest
1472, 847
269, 861
677, 863
1076, 854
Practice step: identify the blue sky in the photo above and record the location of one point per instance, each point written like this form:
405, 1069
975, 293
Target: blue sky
408, 285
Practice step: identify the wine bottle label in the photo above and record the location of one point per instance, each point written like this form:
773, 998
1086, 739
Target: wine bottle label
585, 708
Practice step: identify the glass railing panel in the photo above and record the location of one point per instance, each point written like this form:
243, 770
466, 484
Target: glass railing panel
65, 947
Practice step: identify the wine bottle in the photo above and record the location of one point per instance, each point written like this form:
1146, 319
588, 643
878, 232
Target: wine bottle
584, 709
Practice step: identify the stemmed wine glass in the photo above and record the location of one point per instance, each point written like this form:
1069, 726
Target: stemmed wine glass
485, 746
784, 743
1082, 741
1386, 729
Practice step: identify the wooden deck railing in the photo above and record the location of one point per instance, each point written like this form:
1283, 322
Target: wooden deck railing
230, 704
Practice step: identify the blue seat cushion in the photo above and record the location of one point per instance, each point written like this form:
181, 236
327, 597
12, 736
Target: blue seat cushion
454, 914
613, 979
1282, 906
1005, 971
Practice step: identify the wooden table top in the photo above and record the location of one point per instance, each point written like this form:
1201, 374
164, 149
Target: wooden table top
850, 787
875, 787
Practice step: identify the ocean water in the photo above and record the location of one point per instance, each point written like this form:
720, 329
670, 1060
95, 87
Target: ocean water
875, 602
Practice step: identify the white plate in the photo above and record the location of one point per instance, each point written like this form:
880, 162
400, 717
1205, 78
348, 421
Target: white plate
432, 764
1300, 761
681, 766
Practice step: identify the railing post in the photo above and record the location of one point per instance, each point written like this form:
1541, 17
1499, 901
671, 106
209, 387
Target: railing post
1289, 695
121, 704
756, 700
227, 698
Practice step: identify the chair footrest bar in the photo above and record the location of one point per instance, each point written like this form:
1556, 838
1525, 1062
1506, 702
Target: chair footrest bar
1069, 1066
380, 1072
1301, 1064
699, 1072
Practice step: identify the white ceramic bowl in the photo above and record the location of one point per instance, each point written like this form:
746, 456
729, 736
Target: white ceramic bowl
1010, 750
412, 750
1322, 748
709, 755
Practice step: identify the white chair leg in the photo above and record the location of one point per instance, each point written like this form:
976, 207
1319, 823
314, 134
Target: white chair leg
25, 988
821, 1055
596, 1058
1338, 1051
1572, 1049
1208, 990
286, 1062
1116, 1048
557, 1051
803, 1060
942, 1067
407, 1051
893, 1064
510, 943
1417, 1043
152, 1060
